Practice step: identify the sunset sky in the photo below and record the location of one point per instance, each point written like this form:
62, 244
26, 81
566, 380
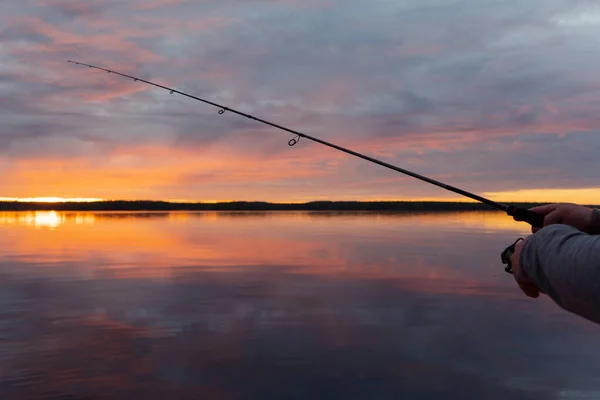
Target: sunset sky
497, 97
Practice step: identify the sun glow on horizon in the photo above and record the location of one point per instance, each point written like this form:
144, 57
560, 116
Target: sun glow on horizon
578, 196
51, 199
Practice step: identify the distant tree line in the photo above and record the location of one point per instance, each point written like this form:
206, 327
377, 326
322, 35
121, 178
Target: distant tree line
143, 205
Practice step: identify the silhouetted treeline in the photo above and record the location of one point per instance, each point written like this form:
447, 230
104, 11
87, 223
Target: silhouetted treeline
252, 206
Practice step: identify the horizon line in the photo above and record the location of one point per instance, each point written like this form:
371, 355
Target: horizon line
60, 200
544, 195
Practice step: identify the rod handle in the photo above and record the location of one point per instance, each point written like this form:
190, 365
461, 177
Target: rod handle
521, 214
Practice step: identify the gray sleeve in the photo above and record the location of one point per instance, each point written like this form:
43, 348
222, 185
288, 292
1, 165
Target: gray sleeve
564, 263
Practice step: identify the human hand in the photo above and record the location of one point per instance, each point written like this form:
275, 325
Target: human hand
577, 216
525, 284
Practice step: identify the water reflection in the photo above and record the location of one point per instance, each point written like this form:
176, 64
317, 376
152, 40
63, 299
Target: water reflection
478, 220
152, 243
278, 305
37, 219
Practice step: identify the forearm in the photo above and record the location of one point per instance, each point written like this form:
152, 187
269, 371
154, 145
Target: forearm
564, 263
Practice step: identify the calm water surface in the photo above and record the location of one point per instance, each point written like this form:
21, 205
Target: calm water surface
278, 306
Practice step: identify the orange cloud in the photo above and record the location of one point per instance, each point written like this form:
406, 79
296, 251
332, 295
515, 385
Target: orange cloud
136, 173
589, 196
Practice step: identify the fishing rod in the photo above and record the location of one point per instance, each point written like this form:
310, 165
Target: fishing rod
520, 214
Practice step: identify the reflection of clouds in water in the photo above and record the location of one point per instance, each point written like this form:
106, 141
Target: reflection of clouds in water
278, 333
157, 306
150, 244
488, 220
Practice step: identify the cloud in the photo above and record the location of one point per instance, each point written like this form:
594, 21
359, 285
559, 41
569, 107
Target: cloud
486, 94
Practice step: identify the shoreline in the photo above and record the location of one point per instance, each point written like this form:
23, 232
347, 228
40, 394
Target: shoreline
123, 205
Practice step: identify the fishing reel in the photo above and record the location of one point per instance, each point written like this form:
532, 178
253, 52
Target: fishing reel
507, 254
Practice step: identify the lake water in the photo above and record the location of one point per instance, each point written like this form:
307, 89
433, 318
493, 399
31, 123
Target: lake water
279, 305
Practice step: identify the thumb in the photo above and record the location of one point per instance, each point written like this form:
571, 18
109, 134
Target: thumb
545, 209
554, 217
550, 215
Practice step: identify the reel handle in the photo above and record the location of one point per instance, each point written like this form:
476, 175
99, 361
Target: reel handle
507, 254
